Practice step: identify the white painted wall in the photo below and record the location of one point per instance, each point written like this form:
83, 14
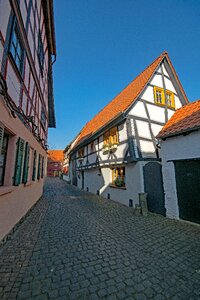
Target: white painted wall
134, 183
180, 147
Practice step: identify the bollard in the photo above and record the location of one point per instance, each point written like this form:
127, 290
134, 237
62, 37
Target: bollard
143, 203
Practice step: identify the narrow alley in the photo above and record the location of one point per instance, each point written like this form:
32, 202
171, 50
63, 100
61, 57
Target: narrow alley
75, 245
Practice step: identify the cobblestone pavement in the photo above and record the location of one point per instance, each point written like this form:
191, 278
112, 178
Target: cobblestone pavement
75, 245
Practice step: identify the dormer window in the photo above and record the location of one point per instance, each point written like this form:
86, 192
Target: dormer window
16, 48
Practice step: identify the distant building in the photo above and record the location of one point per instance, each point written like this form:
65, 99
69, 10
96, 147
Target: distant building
55, 163
116, 154
180, 153
27, 53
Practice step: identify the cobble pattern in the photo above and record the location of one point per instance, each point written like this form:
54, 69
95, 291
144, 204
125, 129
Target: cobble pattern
75, 245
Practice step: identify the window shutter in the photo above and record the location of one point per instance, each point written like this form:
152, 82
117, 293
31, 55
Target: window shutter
42, 172
26, 164
39, 165
1, 136
19, 162
34, 165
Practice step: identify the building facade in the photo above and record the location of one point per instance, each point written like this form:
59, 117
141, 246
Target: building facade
55, 163
180, 153
27, 47
116, 154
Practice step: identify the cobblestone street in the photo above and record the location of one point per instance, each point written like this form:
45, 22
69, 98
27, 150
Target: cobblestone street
75, 245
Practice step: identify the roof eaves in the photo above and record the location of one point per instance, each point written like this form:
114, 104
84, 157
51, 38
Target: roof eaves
184, 131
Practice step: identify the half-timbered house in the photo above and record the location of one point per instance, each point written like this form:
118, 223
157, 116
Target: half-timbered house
27, 51
116, 154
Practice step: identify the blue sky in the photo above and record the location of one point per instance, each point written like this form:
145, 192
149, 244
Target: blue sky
102, 45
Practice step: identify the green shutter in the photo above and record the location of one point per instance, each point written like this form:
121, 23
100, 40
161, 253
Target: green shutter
26, 164
19, 162
39, 163
42, 172
34, 165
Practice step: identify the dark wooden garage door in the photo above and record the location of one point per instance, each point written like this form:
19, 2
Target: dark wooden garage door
188, 189
153, 186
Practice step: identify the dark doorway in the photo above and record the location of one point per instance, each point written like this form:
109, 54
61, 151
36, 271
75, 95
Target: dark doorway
82, 176
188, 189
153, 185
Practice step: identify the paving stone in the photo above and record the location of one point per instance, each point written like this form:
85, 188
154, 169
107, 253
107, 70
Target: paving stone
75, 245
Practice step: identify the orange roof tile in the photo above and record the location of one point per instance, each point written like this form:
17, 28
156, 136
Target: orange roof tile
122, 101
184, 119
55, 155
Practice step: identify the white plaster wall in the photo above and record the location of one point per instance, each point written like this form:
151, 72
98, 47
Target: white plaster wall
122, 132
147, 148
148, 94
157, 80
180, 147
4, 16
23, 11
134, 183
169, 86
164, 70
143, 129
157, 113
138, 109
1, 53
13, 84
178, 103
170, 113
156, 128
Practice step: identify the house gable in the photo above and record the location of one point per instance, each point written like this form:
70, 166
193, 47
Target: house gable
148, 117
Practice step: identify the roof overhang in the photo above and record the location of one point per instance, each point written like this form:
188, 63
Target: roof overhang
183, 132
49, 24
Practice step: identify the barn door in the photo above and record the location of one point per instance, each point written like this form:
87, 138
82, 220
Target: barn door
188, 189
153, 185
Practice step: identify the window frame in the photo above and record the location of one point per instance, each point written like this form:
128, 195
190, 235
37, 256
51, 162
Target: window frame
4, 134
162, 95
40, 52
13, 48
163, 98
111, 137
172, 100
115, 175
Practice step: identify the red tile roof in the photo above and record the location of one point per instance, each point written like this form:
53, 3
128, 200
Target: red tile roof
185, 119
55, 155
123, 100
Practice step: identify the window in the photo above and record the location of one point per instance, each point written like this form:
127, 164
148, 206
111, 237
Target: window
19, 162
92, 147
110, 138
26, 164
43, 117
3, 153
159, 97
40, 52
118, 177
81, 153
170, 99
39, 167
34, 165
16, 49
